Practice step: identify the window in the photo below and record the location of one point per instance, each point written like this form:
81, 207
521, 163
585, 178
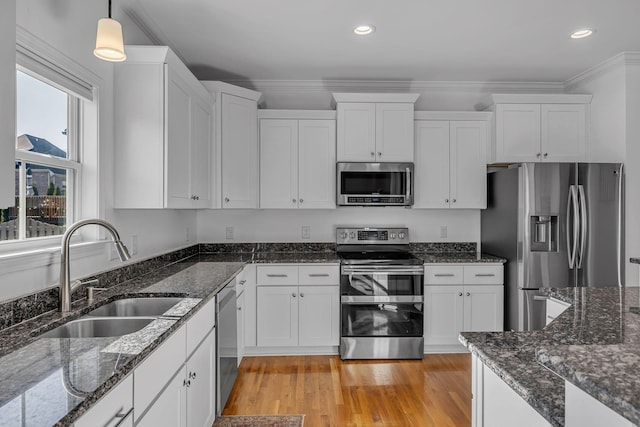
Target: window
47, 166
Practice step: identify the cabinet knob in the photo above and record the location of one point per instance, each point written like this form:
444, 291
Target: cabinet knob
454, 200
226, 200
293, 200
301, 295
545, 155
468, 293
459, 294
197, 197
446, 200
239, 308
301, 200
293, 294
373, 154
538, 155
242, 282
379, 153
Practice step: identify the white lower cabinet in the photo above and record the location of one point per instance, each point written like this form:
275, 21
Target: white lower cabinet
114, 409
461, 298
298, 306
495, 404
241, 328
583, 410
176, 384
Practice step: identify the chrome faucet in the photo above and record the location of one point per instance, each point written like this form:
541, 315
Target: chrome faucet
66, 286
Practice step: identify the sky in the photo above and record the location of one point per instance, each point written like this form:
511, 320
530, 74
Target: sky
42, 110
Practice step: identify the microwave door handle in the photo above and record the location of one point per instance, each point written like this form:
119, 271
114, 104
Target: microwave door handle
408, 195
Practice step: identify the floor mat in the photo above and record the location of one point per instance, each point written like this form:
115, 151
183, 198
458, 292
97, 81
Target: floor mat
259, 421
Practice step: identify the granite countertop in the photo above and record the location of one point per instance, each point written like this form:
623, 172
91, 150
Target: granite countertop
457, 257
601, 323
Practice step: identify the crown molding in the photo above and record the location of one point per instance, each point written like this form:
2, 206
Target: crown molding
620, 60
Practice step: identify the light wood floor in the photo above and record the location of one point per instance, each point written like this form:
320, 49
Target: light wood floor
435, 391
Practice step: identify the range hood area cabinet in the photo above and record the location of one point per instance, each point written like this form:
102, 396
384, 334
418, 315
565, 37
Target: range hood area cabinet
539, 127
163, 132
297, 159
236, 135
450, 163
375, 127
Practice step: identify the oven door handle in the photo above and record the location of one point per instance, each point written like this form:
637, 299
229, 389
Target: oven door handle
409, 271
361, 300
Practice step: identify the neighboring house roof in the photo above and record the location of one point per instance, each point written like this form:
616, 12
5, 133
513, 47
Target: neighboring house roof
39, 145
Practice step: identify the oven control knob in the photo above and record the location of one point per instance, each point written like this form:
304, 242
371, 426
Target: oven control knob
392, 235
344, 235
352, 235
402, 235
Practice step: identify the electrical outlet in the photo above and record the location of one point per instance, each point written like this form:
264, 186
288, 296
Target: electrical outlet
443, 231
306, 232
133, 245
229, 233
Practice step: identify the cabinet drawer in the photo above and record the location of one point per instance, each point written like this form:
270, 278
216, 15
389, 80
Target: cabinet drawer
110, 409
483, 275
443, 275
319, 275
157, 369
200, 324
277, 275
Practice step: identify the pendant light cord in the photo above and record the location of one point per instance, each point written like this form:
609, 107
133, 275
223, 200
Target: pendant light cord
109, 9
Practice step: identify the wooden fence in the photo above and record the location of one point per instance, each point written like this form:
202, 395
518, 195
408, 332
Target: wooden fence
46, 216
35, 228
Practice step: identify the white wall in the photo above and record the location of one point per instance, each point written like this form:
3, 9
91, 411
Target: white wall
69, 26
281, 225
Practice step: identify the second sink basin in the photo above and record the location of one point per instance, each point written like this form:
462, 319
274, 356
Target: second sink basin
132, 307
99, 327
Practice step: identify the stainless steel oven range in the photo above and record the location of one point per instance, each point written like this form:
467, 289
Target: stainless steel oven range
381, 295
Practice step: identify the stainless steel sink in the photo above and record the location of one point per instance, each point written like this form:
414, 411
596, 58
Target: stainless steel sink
95, 327
133, 307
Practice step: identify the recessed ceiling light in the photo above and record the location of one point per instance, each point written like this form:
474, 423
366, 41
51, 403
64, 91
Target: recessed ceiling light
363, 30
580, 34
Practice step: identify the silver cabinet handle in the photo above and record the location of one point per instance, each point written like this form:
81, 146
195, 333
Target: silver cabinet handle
408, 184
318, 275
293, 200
468, 293
545, 155
538, 155
379, 154
301, 295
242, 282
301, 200
459, 294
444, 275
485, 274
239, 308
446, 200
454, 200
373, 154
226, 200
277, 275
122, 417
583, 225
293, 294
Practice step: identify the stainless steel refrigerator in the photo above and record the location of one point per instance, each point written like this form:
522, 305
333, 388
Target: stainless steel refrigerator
558, 225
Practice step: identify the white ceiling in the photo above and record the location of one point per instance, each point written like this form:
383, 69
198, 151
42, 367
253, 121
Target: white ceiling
423, 40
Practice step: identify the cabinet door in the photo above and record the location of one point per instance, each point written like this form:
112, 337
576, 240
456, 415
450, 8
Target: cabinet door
317, 164
178, 144
468, 168
564, 132
7, 103
239, 152
517, 132
278, 163
356, 137
201, 384
201, 148
277, 317
394, 132
483, 308
443, 314
432, 164
170, 407
319, 315
240, 320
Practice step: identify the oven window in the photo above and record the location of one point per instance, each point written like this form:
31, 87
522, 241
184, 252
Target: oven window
382, 320
384, 183
382, 284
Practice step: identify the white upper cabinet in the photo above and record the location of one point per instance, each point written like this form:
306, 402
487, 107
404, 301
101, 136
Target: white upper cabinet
162, 132
450, 165
236, 176
539, 128
7, 103
375, 127
297, 159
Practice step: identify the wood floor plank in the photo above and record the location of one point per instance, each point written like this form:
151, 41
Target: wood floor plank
331, 392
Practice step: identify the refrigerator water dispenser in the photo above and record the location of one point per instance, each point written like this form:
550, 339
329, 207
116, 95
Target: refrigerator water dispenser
544, 233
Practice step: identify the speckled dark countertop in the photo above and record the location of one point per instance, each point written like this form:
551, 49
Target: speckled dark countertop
532, 363
53, 381
457, 257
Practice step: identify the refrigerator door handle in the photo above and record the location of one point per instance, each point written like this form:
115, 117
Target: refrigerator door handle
572, 213
583, 225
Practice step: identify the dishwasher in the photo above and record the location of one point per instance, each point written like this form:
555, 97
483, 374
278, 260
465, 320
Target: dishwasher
227, 343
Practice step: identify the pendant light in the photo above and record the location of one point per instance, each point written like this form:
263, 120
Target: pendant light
109, 44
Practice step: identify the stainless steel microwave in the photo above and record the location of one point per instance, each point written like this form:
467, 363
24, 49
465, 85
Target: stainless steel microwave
374, 184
